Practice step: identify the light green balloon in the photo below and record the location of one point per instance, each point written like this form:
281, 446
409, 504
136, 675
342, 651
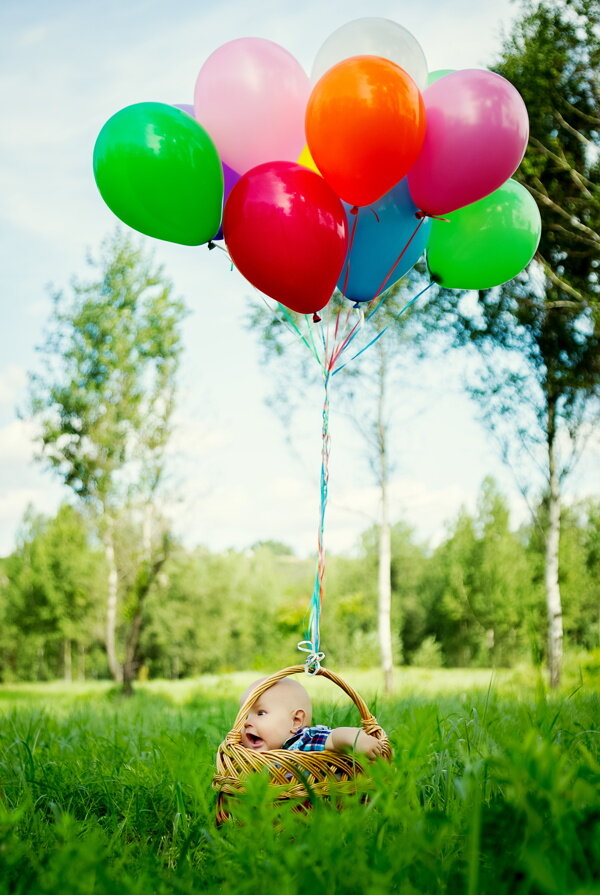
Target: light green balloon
159, 171
434, 76
486, 243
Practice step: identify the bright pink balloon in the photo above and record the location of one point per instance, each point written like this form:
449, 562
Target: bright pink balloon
286, 232
477, 132
251, 96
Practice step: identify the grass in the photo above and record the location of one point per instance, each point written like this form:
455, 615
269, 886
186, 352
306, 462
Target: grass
494, 788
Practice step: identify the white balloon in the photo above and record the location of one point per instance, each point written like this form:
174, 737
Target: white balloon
373, 37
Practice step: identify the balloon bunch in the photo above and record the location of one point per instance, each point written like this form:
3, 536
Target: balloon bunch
342, 179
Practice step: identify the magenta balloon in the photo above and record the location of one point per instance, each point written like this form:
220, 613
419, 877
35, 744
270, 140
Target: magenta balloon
251, 96
477, 132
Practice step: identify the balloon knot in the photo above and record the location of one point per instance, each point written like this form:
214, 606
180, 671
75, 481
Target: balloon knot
356, 304
420, 215
354, 209
211, 245
316, 318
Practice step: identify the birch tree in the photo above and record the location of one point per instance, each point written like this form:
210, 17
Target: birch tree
103, 401
538, 336
364, 393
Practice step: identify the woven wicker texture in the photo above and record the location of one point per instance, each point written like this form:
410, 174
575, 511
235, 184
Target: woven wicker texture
293, 774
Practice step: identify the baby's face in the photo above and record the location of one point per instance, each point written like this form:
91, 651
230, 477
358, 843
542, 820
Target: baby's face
269, 722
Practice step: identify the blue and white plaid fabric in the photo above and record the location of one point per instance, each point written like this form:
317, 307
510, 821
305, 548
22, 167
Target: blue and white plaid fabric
308, 739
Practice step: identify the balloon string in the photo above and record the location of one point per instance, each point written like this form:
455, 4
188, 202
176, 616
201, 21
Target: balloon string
312, 641
354, 212
352, 335
313, 343
378, 336
400, 256
346, 340
290, 323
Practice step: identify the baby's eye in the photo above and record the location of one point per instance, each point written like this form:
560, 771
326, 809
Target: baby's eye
261, 712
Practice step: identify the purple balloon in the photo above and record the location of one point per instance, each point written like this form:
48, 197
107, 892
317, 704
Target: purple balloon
185, 108
230, 178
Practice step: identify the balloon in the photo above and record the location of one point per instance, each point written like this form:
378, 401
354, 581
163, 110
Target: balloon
185, 108
306, 159
437, 74
373, 37
487, 243
158, 171
286, 232
365, 126
230, 178
385, 230
477, 132
251, 95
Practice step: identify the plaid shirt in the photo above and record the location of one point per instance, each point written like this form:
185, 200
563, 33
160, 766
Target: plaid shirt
308, 739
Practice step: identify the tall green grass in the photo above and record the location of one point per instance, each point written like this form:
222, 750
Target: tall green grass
488, 792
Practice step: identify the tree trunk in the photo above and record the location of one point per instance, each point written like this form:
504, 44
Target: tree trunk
553, 601
130, 665
114, 665
67, 660
384, 614
146, 578
385, 597
80, 662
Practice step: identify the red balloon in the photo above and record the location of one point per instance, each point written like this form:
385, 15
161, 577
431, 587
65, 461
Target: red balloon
286, 232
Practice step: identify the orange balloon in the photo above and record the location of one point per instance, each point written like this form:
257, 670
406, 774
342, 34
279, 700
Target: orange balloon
365, 125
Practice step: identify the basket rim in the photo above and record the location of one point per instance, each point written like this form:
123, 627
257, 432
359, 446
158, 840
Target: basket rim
266, 683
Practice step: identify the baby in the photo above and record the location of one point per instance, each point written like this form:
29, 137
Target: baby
281, 718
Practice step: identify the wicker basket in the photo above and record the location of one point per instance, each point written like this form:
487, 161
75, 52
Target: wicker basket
294, 774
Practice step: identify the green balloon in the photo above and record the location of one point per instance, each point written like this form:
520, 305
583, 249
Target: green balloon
159, 171
434, 76
486, 243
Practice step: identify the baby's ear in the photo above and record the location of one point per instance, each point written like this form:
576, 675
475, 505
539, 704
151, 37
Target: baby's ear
298, 719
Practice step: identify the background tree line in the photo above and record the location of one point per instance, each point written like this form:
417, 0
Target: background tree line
477, 599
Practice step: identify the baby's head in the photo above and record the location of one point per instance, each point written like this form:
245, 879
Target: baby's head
280, 712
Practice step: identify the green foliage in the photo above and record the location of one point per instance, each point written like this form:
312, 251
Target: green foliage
486, 794
105, 394
477, 599
50, 596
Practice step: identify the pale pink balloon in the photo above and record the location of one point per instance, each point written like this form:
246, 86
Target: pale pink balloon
251, 97
477, 132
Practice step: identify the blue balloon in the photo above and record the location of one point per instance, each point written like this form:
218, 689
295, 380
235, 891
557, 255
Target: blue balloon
383, 230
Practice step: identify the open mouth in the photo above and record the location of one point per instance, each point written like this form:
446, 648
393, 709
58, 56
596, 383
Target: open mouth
253, 741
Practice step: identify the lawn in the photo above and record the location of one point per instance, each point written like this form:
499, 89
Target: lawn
493, 788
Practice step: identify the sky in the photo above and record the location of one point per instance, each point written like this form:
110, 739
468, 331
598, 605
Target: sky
65, 68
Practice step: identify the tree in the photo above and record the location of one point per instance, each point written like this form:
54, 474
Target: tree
52, 595
103, 402
538, 336
364, 394
478, 587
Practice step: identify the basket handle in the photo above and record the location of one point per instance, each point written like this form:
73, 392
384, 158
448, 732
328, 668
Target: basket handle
369, 722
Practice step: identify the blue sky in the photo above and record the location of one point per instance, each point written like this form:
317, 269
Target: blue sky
65, 68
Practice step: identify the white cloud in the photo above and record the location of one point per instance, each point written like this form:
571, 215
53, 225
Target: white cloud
16, 442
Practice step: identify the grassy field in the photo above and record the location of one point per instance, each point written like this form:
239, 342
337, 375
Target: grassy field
494, 788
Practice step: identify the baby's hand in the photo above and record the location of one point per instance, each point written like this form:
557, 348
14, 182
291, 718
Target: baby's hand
369, 745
